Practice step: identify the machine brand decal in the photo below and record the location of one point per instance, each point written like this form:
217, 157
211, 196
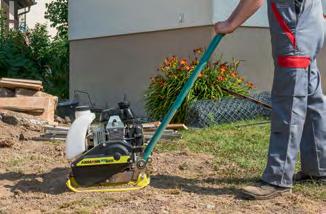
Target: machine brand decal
102, 161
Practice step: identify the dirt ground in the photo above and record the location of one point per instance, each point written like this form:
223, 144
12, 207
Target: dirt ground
33, 176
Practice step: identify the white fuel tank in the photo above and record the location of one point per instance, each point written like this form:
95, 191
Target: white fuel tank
76, 138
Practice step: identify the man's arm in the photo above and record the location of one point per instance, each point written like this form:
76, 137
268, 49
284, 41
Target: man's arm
243, 11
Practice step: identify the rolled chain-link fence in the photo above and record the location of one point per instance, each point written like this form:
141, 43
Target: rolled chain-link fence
205, 113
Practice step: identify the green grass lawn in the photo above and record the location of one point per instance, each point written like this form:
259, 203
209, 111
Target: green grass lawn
240, 153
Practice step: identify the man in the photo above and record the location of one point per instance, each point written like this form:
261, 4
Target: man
299, 106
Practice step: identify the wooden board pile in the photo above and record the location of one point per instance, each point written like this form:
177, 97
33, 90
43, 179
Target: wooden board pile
59, 133
53, 133
171, 131
26, 96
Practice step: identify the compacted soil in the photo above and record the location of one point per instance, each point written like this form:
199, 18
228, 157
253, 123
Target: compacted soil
33, 176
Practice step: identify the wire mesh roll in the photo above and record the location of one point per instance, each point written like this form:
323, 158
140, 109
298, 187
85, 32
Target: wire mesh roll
205, 113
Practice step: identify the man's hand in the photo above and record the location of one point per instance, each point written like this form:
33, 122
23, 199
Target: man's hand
223, 27
243, 11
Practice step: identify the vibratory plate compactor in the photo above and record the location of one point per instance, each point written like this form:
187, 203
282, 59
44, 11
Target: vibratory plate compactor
111, 155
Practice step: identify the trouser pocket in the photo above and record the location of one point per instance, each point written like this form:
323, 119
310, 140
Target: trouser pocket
291, 76
284, 21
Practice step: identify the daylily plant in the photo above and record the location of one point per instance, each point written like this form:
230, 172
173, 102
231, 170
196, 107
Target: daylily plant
175, 71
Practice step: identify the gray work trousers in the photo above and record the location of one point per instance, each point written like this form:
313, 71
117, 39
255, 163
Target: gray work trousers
299, 106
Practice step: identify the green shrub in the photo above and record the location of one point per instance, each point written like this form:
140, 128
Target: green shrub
174, 72
57, 81
34, 55
57, 13
15, 57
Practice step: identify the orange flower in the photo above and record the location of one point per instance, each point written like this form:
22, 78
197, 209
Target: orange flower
188, 68
250, 85
183, 62
234, 74
220, 78
166, 61
223, 68
201, 75
198, 51
170, 60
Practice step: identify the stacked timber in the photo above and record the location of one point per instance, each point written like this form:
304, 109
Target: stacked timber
26, 96
59, 133
34, 85
53, 133
171, 131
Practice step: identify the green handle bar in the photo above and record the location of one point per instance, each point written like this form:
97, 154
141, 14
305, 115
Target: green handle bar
184, 92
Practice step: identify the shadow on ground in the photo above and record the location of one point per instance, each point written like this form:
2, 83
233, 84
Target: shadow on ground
52, 182
226, 186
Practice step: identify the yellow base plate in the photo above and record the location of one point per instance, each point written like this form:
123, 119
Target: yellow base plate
143, 181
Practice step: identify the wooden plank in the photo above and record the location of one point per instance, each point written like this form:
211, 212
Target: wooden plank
47, 103
56, 132
14, 85
55, 135
165, 136
28, 110
151, 125
167, 131
56, 127
177, 126
35, 82
48, 139
154, 125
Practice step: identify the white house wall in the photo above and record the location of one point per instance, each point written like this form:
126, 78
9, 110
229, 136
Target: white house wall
98, 18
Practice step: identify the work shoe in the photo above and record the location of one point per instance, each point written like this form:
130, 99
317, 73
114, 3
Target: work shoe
302, 177
263, 191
